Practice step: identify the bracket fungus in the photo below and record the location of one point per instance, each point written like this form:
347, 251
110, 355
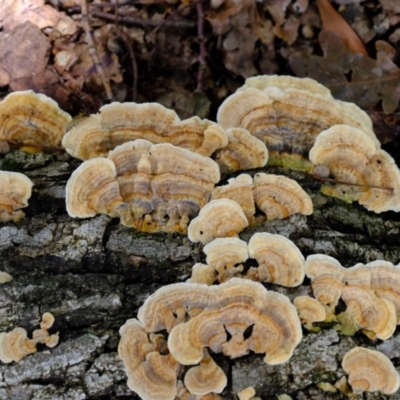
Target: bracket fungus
326, 274
93, 189
32, 119
239, 189
119, 123
366, 311
363, 172
225, 256
15, 345
309, 310
370, 371
152, 375
243, 151
233, 307
279, 260
287, 114
218, 219
15, 190
279, 197
164, 185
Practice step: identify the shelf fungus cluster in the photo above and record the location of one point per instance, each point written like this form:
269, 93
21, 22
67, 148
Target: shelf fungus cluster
370, 371
118, 123
371, 294
150, 187
15, 190
279, 261
202, 320
31, 121
361, 170
15, 345
287, 114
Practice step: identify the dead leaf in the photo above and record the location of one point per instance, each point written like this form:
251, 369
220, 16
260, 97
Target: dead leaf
334, 22
289, 30
352, 76
391, 5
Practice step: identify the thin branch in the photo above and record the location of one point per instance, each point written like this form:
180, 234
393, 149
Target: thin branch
128, 44
203, 52
145, 23
93, 51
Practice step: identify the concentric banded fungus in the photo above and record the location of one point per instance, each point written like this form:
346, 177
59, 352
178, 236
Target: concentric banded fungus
28, 118
234, 306
151, 375
42, 335
287, 114
244, 151
120, 123
279, 197
238, 189
203, 273
86, 139
385, 282
164, 181
219, 218
365, 310
224, 255
309, 310
370, 371
15, 345
206, 378
15, 190
352, 157
279, 259
93, 188
327, 277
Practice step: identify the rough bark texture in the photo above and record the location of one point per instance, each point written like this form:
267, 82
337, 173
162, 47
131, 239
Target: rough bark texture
94, 274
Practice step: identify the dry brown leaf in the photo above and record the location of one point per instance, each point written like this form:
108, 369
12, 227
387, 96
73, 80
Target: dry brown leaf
352, 76
334, 22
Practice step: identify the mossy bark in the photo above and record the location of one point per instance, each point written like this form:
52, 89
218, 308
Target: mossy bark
94, 274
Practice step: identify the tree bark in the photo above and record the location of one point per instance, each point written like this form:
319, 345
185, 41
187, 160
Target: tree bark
94, 274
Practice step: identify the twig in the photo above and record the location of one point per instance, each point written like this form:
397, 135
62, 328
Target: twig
128, 44
324, 179
93, 51
145, 23
200, 37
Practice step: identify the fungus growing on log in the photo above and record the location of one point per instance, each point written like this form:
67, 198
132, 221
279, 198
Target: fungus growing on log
366, 311
234, 306
164, 185
153, 376
15, 190
370, 371
205, 378
244, 151
93, 189
15, 345
225, 256
32, 119
218, 219
279, 197
287, 114
362, 172
279, 260
326, 274
309, 310
238, 189
123, 122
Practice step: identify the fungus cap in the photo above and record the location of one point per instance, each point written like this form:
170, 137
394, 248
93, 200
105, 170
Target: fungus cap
205, 378
223, 254
279, 197
219, 218
15, 190
280, 261
15, 345
32, 119
370, 370
238, 189
310, 310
